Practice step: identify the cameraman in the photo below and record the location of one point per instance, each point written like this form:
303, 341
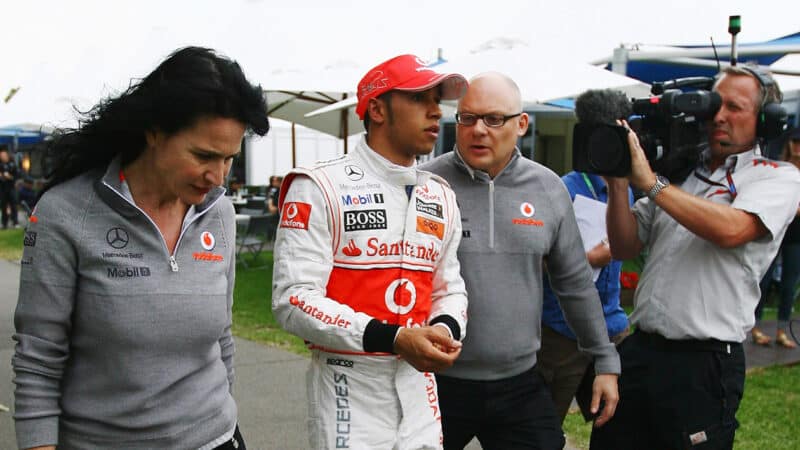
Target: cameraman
709, 240
8, 176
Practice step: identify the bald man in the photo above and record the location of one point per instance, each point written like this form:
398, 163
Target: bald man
516, 214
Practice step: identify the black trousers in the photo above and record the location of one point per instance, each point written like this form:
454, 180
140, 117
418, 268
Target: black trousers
235, 443
513, 413
8, 206
675, 395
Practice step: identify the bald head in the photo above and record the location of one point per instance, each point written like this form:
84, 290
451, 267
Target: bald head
499, 85
490, 148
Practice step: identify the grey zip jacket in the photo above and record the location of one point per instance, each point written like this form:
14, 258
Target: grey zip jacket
511, 225
120, 344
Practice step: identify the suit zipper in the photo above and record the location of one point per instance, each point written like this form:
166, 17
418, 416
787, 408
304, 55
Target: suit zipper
491, 214
173, 263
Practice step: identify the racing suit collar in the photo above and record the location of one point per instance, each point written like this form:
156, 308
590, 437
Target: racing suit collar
387, 170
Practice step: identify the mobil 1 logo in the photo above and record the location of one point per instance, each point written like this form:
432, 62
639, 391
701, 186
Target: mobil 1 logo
365, 219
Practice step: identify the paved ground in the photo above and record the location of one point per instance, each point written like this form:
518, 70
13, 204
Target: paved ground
270, 383
763, 356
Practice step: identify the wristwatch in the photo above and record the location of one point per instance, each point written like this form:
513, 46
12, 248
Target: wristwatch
661, 183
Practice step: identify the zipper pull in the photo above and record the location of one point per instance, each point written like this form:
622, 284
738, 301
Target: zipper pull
173, 263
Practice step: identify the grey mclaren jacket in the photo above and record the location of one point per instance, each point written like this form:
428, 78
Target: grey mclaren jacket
511, 225
120, 344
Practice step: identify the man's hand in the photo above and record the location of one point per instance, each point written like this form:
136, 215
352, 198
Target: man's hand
427, 349
641, 176
599, 255
604, 388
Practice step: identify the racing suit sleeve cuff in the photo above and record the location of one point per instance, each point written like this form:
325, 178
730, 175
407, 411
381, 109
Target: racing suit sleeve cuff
450, 323
379, 337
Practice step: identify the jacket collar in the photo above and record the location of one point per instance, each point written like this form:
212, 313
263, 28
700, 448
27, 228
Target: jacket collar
479, 174
115, 192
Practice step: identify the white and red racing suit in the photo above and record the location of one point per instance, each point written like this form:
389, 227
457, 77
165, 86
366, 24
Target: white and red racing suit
364, 247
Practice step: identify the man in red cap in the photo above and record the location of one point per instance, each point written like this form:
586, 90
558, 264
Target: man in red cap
366, 269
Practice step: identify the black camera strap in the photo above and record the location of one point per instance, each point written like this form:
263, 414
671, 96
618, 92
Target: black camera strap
729, 189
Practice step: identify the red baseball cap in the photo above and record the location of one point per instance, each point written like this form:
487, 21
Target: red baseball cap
406, 73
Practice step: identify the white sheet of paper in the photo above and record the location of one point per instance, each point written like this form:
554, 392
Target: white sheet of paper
591, 217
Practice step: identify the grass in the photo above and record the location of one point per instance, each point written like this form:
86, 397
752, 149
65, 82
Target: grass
11, 244
767, 414
252, 306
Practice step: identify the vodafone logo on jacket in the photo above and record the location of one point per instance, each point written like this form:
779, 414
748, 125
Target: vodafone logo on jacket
207, 240
526, 209
295, 215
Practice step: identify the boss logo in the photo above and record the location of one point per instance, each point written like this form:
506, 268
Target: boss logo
30, 239
368, 219
339, 362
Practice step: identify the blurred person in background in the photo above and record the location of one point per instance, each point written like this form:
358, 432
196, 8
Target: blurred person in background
8, 177
790, 266
273, 194
559, 359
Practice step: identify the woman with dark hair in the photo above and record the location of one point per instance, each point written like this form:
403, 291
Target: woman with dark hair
790, 265
123, 324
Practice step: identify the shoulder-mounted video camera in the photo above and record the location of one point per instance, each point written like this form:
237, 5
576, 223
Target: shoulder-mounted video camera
671, 125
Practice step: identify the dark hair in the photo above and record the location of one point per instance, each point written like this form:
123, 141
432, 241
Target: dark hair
192, 83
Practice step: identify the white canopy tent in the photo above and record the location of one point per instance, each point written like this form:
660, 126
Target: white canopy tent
542, 75
293, 94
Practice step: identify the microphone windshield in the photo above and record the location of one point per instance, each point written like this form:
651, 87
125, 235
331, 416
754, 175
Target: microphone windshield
602, 106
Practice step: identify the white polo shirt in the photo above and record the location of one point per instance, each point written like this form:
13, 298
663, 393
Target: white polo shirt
693, 289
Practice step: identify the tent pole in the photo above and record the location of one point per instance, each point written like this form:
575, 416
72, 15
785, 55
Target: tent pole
344, 119
294, 147
344, 124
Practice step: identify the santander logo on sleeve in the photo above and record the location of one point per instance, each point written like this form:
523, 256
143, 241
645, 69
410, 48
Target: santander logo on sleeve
295, 215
